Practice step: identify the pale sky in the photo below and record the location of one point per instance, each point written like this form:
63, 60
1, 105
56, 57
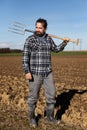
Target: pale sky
64, 17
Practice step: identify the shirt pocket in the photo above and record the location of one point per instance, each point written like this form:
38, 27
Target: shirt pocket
35, 47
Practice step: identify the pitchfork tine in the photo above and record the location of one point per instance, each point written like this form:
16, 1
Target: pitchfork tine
18, 26
16, 29
16, 32
21, 24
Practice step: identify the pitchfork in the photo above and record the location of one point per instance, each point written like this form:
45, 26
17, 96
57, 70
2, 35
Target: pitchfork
20, 28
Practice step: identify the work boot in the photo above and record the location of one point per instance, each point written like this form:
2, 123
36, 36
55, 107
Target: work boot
50, 114
33, 122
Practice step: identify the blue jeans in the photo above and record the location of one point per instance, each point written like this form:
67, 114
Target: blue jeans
35, 85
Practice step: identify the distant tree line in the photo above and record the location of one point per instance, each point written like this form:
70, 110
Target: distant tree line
8, 50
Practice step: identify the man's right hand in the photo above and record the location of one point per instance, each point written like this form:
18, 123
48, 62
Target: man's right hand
28, 76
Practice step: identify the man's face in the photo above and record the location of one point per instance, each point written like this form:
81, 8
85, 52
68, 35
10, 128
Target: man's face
40, 30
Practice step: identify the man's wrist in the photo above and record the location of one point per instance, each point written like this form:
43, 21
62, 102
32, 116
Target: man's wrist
26, 71
64, 43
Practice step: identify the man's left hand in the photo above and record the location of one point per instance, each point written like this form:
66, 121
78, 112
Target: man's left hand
66, 39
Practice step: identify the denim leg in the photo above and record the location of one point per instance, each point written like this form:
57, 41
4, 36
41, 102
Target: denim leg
50, 91
34, 88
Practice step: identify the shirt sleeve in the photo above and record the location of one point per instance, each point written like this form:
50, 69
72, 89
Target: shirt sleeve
26, 57
58, 48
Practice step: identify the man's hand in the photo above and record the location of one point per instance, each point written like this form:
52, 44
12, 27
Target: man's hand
66, 39
28, 76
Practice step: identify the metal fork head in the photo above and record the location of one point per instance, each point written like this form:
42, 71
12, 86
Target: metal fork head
17, 28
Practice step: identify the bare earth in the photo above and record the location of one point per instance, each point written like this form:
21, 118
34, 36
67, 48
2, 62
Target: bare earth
70, 76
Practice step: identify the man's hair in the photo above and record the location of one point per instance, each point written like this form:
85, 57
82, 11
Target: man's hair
43, 21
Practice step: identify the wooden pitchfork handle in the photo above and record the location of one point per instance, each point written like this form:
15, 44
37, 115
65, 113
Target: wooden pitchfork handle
76, 41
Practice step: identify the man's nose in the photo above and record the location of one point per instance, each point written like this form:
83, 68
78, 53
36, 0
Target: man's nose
37, 29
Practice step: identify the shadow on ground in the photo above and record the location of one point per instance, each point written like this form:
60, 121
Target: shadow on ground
63, 100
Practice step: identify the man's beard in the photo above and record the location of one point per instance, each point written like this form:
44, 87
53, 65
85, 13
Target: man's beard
39, 33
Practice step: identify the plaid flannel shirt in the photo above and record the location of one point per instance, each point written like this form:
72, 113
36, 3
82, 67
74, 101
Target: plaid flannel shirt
37, 54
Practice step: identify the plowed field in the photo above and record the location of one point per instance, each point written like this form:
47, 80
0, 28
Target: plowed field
70, 75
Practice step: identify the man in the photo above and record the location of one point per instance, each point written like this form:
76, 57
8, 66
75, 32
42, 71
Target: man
38, 69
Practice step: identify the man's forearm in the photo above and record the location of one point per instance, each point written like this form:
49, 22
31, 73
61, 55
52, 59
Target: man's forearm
61, 46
